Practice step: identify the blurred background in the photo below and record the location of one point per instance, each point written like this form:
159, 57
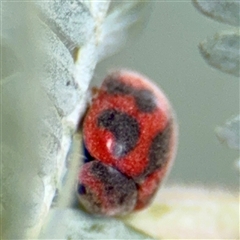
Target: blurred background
203, 98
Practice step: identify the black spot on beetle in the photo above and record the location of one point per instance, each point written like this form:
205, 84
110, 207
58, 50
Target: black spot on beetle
124, 128
159, 149
145, 99
120, 189
115, 86
99, 170
113, 179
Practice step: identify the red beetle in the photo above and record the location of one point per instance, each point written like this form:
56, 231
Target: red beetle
129, 134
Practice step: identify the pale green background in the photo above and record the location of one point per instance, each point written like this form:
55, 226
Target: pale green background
203, 97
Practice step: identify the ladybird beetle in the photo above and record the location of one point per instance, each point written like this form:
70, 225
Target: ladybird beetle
129, 137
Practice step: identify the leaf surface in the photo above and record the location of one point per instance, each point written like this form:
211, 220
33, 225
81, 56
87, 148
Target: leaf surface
222, 52
50, 50
221, 10
230, 132
75, 224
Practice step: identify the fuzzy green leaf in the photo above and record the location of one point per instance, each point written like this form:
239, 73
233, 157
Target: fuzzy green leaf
50, 50
75, 224
223, 52
124, 21
190, 213
230, 132
22, 102
221, 10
